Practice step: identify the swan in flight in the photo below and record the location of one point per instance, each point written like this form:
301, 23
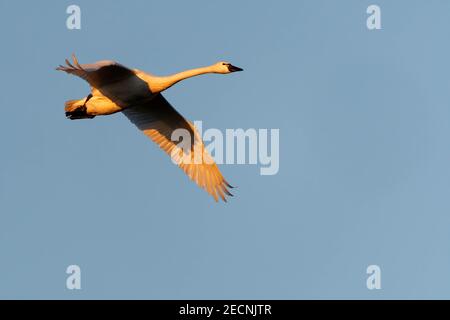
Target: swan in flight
116, 88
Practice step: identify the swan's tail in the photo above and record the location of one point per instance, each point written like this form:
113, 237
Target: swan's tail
76, 109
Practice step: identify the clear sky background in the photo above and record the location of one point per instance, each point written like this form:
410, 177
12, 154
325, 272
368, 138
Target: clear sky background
364, 119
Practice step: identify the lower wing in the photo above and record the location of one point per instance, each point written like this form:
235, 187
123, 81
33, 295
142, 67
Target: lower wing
158, 120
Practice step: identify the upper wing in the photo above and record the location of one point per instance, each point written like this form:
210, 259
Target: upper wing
157, 119
99, 74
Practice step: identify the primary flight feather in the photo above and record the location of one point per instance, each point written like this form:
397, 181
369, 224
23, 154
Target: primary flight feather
116, 88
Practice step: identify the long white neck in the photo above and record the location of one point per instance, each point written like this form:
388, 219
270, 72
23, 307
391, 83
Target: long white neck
163, 83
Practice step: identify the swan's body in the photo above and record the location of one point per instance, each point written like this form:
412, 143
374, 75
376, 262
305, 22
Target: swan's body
115, 88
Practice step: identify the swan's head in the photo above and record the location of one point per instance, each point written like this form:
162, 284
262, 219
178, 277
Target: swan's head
225, 67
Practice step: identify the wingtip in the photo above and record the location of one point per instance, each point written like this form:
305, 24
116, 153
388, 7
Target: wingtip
68, 63
75, 61
228, 185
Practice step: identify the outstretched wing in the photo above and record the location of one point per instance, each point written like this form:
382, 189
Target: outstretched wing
99, 74
112, 80
157, 119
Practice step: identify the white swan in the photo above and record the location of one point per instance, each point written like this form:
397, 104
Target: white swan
116, 88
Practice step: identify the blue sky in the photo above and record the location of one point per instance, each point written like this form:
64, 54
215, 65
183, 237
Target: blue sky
364, 176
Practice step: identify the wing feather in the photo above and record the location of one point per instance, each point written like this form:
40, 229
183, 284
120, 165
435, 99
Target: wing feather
157, 119
99, 74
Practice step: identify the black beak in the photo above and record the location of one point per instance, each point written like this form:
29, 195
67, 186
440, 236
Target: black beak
234, 69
